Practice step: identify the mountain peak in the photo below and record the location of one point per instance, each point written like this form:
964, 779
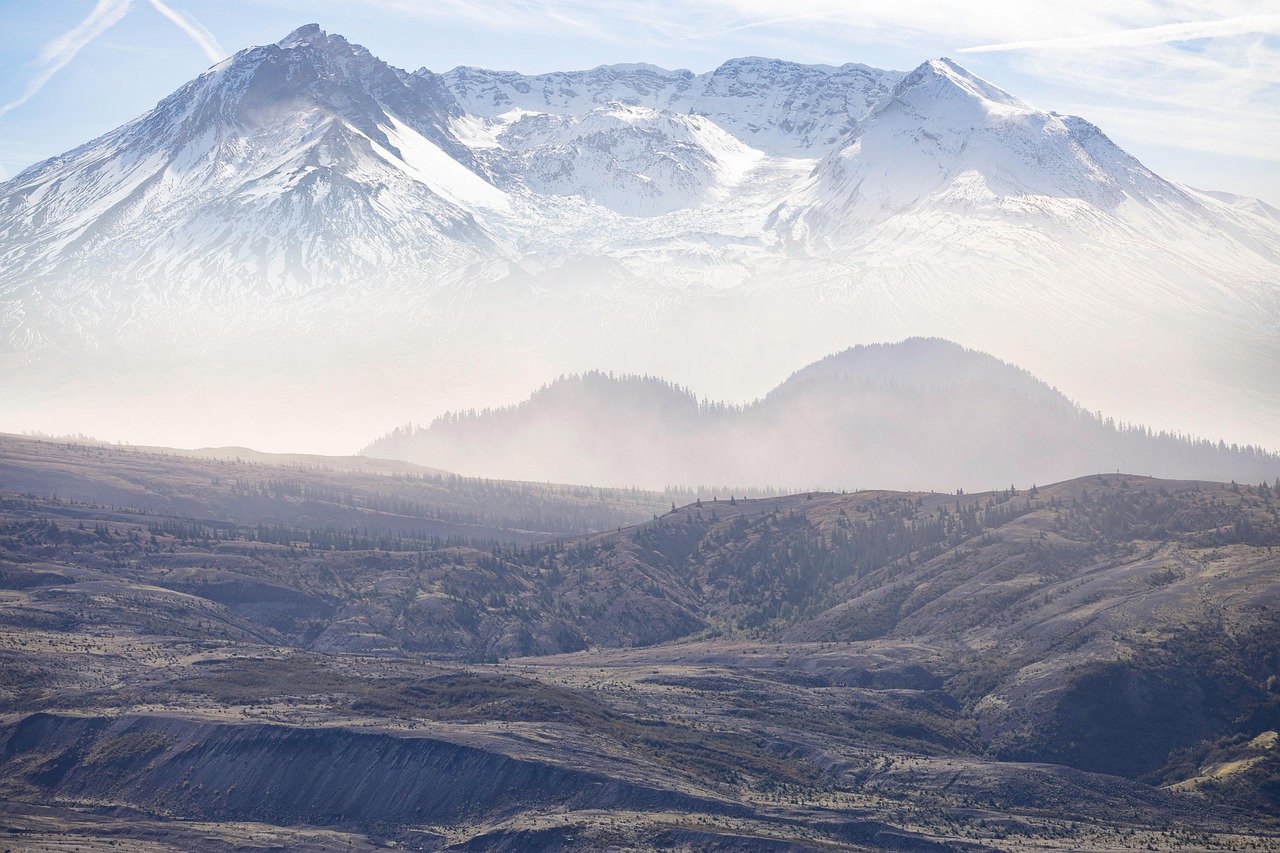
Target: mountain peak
943, 74
305, 35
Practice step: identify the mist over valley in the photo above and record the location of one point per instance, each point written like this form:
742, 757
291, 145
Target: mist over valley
923, 414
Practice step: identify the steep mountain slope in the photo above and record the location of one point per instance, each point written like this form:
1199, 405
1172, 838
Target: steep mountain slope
475, 232
948, 138
281, 171
947, 145
923, 413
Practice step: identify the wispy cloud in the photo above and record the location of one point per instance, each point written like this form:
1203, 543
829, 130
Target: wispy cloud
1163, 34
194, 29
1218, 98
1143, 76
57, 53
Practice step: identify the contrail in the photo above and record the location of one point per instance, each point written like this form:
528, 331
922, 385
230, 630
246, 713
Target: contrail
193, 28
1147, 35
63, 49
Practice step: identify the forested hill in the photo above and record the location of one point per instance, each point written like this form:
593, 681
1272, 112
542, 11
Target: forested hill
923, 413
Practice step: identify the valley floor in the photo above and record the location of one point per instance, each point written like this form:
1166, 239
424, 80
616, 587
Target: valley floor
702, 746
1090, 666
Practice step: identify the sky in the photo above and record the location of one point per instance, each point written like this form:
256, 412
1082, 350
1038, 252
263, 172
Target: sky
1192, 87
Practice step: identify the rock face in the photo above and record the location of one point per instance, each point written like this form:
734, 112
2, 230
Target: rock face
779, 108
622, 216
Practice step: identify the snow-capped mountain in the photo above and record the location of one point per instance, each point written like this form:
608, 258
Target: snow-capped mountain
283, 170
328, 228
949, 140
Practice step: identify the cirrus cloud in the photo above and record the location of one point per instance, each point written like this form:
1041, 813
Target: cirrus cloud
194, 29
58, 53
1163, 34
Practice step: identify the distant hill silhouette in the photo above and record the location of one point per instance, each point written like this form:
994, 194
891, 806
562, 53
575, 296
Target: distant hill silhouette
922, 413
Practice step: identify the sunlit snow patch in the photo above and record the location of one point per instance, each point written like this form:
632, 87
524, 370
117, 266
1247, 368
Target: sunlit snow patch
426, 163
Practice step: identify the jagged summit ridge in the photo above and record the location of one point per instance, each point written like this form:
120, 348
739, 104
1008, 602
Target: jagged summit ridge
781, 108
307, 34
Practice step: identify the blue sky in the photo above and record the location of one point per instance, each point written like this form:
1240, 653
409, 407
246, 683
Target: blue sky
1192, 88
